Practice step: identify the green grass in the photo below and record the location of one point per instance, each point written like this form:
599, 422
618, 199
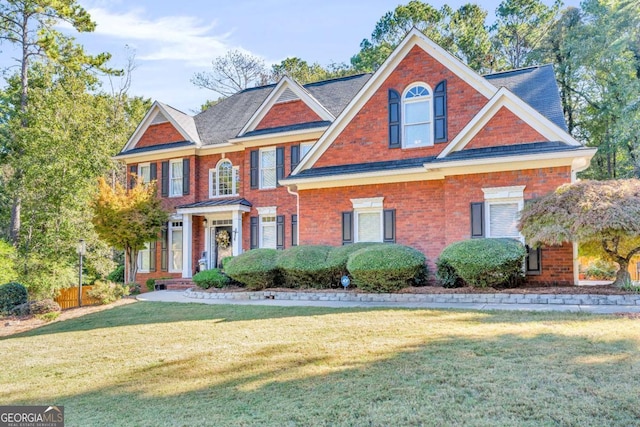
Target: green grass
158, 364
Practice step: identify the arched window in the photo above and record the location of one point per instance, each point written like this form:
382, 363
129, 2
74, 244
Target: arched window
223, 179
417, 117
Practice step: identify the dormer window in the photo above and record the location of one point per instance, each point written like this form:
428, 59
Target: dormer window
223, 180
417, 117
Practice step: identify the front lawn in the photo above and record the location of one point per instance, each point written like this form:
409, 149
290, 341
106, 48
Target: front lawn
159, 364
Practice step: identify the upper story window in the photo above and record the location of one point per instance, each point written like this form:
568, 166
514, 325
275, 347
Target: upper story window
144, 172
305, 147
223, 180
417, 117
175, 178
268, 177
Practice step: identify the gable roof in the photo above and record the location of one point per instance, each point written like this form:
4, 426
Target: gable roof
225, 120
537, 87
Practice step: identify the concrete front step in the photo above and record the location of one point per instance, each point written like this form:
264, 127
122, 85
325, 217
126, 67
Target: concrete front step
174, 284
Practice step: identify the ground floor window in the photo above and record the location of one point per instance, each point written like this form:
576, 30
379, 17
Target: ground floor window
175, 245
144, 258
368, 219
268, 231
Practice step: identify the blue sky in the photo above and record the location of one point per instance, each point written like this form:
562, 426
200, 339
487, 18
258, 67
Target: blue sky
173, 40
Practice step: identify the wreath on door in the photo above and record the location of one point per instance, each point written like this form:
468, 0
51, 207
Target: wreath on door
223, 239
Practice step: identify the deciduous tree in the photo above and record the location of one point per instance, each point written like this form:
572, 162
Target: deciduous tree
127, 219
602, 216
233, 72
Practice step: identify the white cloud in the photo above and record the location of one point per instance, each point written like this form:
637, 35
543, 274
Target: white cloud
182, 38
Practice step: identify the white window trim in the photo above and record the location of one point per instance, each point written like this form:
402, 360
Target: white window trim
403, 114
213, 190
171, 162
275, 168
142, 165
367, 205
170, 230
502, 195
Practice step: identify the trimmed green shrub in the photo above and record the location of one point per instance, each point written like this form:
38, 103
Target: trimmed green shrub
256, 269
150, 284
339, 256
36, 308
225, 260
211, 278
486, 262
11, 295
305, 267
385, 267
107, 292
117, 275
447, 275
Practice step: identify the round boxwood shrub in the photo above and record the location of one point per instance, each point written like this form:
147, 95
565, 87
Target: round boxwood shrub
305, 267
11, 295
385, 267
339, 256
213, 278
486, 262
256, 269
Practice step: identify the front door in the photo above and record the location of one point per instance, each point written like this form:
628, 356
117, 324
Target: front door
221, 245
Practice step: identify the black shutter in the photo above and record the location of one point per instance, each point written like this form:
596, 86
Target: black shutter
132, 176
163, 253
294, 230
253, 232
185, 176
394, 119
477, 220
280, 232
279, 165
153, 171
389, 216
440, 112
152, 256
347, 227
253, 171
165, 179
534, 261
295, 156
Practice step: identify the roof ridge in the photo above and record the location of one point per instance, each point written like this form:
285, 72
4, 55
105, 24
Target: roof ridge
335, 79
516, 70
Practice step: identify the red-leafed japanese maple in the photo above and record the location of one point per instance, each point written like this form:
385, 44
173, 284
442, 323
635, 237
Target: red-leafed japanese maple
603, 216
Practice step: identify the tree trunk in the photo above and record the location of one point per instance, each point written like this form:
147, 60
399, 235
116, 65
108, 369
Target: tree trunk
132, 254
15, 225
622, 276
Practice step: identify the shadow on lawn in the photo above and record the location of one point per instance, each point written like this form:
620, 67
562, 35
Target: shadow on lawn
509, 379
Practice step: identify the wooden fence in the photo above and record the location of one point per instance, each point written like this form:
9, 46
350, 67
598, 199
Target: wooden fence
68, 297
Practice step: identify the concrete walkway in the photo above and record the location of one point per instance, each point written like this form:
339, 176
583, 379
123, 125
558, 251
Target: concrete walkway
603, 304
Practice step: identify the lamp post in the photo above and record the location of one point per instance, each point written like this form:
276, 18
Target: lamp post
82, 249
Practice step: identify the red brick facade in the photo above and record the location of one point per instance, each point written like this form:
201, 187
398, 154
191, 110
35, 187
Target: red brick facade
288, 113
429, 213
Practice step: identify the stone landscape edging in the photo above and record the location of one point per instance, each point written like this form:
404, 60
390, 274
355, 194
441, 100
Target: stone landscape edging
497, 298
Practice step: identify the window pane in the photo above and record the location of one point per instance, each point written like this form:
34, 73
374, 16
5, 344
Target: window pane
176, 250
268, 169
369, 227
145, 174
144, 258
417, 135
304, 149
503, 220
417, 112
176, 178
225, 179
213, 184
268, 232
268, 159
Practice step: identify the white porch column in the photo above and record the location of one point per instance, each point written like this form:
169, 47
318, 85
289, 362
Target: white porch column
187, 245
236, 230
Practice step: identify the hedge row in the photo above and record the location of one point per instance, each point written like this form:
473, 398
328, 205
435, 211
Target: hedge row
374, 267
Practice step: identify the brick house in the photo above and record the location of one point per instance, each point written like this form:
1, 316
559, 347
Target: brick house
424, 152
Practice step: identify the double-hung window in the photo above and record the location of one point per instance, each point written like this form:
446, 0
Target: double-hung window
144, 173
268, 177
503, 206
144, 258
368, 221
175, 178
417, 117
268, 231
223, 180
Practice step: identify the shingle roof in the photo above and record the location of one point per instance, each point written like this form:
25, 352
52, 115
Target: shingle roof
224, 120
217, 202
537, 87
299, 126
159, 147
476, 153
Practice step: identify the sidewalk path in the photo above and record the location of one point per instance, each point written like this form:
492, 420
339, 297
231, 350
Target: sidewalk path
604, 304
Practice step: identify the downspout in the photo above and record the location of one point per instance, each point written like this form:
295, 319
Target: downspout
294, 193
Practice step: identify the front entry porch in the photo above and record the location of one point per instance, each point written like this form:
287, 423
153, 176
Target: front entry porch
221, 233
